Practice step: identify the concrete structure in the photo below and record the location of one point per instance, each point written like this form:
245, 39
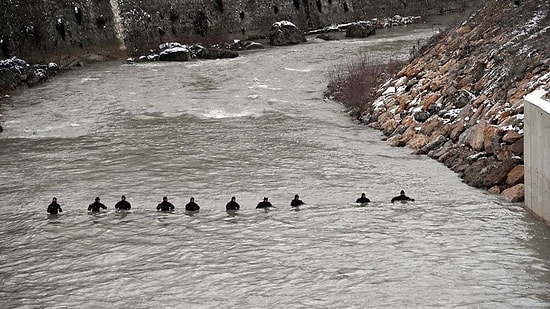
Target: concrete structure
537, 154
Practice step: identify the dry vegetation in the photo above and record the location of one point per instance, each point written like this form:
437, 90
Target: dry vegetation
355, 84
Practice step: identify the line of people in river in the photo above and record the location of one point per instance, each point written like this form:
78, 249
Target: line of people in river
54, 208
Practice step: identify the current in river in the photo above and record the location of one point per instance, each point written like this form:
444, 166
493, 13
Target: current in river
251, 127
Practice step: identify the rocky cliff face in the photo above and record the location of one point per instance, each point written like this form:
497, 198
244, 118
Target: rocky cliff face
460, 100
50, 30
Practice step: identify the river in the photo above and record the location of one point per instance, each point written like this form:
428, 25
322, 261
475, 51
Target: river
249, 127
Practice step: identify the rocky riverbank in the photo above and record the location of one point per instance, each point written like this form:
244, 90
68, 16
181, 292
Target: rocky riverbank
16, 72
460, 100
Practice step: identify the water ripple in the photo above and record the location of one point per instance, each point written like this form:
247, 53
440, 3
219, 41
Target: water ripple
249, 128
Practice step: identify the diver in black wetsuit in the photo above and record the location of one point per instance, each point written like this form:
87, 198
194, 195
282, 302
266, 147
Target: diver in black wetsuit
165, 205
362, 199
54, 208
296, 201
95, 206
402, 197
232, 205
192, 206
264, 204
123, 203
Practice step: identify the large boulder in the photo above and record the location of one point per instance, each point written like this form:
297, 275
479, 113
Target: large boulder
477, 139
245, 45
515, 176
511, 137
418, 141
285, 33
361, 29
515, 193
488, 171
459, 159
421, 116
498, 173
474, 175
175, 54
436, 142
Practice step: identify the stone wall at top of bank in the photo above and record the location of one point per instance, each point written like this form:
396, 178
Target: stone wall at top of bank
51, 30
41, 31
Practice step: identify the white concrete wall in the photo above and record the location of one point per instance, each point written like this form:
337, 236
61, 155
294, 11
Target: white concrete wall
537, 154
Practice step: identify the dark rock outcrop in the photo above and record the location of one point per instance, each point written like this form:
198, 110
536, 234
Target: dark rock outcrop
15, 72
242, 45
175, 54
174, 51
285, 33
361, 29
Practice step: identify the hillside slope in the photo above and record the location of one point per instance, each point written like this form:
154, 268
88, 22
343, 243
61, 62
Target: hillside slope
460, 100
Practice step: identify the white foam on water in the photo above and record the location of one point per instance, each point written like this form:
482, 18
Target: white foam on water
88, 79
221, 114
263, 86
253, 96
298, 70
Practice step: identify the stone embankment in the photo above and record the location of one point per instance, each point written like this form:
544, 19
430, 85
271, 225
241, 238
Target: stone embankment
460, 100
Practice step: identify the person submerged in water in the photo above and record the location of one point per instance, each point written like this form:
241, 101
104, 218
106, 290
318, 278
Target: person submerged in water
362, 199
402, 197
165, 205
232, 205
192, 206
264, 204
54, 208
296, 201
96, 206
123, 203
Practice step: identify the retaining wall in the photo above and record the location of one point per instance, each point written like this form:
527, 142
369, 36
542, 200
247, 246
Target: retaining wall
537, 150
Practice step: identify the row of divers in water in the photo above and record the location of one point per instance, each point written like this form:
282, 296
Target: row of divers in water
54, 208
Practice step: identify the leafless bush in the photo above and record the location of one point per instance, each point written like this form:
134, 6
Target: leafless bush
355, 83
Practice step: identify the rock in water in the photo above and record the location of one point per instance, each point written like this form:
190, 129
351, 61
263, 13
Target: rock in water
285, 33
